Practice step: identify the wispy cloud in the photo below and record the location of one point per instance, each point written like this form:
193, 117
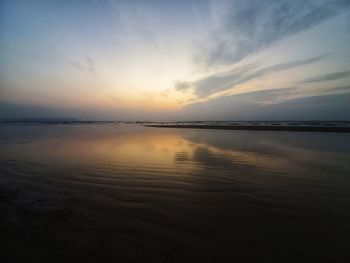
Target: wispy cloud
249, 26
182, 85
86, 64
240, 75
287, 105
328, 77
341, 89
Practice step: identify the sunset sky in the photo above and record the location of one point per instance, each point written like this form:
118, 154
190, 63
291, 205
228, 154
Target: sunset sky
175, 60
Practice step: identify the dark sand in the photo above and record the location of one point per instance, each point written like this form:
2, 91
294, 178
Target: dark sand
125, 193
300, 128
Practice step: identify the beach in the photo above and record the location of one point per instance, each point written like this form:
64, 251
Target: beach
127, 193
253, 127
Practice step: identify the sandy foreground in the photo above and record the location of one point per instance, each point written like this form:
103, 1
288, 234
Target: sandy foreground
48, 222
186, 202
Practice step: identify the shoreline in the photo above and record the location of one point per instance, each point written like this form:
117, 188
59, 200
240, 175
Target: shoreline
258, 128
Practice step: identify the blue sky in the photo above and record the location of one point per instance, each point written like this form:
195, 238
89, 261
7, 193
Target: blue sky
223, 60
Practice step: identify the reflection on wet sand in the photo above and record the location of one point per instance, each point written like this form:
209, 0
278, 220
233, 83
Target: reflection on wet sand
128, 193
168, 150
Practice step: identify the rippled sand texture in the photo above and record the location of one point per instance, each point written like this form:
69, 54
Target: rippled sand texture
127, 193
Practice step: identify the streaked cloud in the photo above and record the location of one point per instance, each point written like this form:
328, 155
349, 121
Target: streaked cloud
248, 106
328, 77
341, 89
240, 75
249, 26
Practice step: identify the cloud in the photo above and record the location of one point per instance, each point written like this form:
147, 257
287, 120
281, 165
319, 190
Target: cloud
248, 106
341, 89
182, 85
86, 64
267, 96
240, 75
249, 26
328, 77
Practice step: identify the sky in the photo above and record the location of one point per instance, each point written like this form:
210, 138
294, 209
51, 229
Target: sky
175, 60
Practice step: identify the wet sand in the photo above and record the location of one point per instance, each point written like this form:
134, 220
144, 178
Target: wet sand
126, 193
